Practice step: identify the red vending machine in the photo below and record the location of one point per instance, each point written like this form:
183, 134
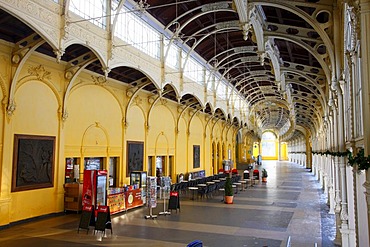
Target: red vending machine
94, 190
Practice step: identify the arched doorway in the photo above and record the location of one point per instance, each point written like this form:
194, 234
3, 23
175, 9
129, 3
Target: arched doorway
269, 146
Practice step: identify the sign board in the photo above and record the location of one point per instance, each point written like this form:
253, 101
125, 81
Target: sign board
87, 218
151, 192
103, 220
174, 201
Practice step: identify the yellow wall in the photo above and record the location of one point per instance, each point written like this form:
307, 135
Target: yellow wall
284, 151
99, 120
256, 149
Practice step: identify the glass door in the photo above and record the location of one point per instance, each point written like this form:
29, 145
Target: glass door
160, 166
101, 193
72, 170
112, 172
171, 168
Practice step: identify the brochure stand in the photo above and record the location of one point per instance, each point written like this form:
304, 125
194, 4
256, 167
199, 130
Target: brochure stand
151, 196
165, 189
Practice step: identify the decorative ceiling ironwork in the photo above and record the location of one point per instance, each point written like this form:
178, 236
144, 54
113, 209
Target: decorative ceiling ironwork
276, 54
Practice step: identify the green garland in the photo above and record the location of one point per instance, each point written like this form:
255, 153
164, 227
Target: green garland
362, 162
337, 154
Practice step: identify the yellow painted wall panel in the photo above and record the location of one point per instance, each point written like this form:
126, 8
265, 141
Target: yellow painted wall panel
94, 118
28, 204
136, 124
36, 114
196, 138
161, 135
37, 110
284, 151
181, 153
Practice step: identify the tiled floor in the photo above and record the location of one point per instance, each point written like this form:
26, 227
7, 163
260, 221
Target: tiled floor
289, 204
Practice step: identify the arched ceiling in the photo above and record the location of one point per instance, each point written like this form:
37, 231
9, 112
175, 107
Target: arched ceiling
276, 54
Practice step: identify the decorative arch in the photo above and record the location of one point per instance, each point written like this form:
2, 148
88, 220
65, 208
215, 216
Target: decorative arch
142, 112
4, 90
45, 81
101, 86
98, 126
48, 36
167, 88
269, 144
161, 135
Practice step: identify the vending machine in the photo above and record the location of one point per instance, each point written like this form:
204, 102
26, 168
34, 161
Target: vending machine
94, 190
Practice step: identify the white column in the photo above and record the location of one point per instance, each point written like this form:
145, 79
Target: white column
322, 160
344, 212
331, 189
313, 164
317, 167
338, 200
365, 78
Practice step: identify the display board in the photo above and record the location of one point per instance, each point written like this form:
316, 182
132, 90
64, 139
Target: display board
87, 218
165, 188
103, 220
174, 201
151, 197
116, 202
165, 193
33, 162
133, 198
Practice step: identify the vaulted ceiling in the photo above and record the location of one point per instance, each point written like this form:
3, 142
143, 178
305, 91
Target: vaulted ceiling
276, 54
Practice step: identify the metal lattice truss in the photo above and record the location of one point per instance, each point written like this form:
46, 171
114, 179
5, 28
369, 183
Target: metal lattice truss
276, 54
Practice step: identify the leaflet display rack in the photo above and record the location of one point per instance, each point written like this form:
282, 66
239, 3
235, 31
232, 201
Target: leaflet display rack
151, 197
165, 193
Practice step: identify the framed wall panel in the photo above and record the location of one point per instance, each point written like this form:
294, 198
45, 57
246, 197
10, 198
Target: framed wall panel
196, 156
33, 162
135, 157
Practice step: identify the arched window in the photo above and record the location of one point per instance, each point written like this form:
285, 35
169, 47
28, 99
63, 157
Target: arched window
92, 10
131, 28
268, 144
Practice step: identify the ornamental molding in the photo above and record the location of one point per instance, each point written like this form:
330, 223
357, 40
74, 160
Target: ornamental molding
343, 215
351, 29
138, 100
41, 15
40, 72
215, 6
99, 80
87, 33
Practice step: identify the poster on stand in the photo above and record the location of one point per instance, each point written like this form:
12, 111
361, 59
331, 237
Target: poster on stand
151, 196
165, 187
